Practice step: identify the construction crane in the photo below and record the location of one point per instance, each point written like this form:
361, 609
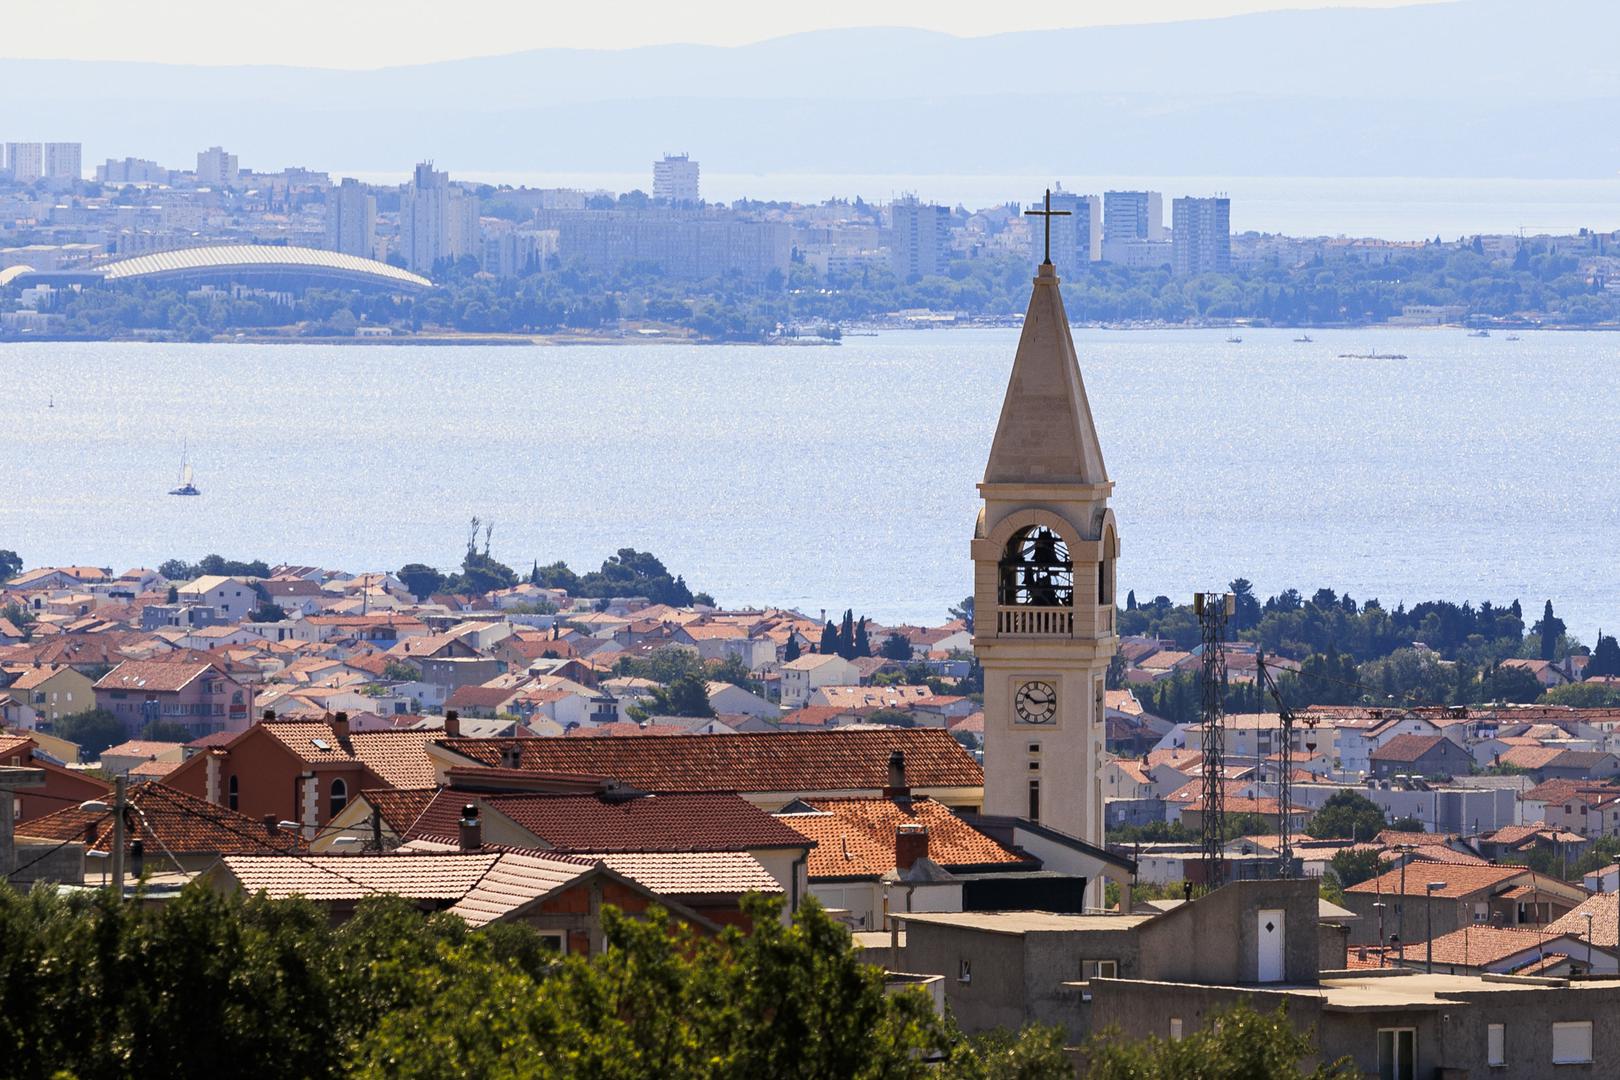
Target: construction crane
1285, 780
1213, 609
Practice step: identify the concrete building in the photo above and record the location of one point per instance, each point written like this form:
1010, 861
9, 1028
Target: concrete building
63, 161
686, 245
25, 161
132, 171
1201, 236
192, 694
216, 168
675, 179
437, 220
1129, 217
921, 245
807, 674
1076, 239
351, 219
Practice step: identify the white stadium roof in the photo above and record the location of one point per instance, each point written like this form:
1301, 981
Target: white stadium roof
250, 258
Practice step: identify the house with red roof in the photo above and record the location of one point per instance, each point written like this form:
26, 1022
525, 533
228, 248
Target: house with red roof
304, 771
1420, 755
63, 786
194, 694
1463, 895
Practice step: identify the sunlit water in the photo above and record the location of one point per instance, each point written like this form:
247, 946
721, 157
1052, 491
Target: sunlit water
837, 477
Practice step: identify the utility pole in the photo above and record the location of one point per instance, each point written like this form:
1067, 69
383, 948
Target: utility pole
1213, 609
13, 778
120, 789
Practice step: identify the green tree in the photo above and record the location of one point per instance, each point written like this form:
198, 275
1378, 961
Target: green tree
896, 647
1551, 628
1584, 695
790, 651
1351, 867
863, 644
396, 670
94, 730
1605, 657
1035, 1053
829, 640
421, 579
686, 696
1513, 684
1346, 815
166, 731
1237, 1044
846, 635
269, 613
11, 564
964, 611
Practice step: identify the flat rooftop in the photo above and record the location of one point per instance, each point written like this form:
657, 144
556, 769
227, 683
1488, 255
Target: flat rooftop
1022, 922
1403, 989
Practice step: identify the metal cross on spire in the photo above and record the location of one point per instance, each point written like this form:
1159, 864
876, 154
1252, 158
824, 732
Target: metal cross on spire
1048, 214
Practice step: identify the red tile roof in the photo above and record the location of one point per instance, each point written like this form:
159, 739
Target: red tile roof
855, 837
168, 818
1407, 747
398, 758
807, 761
157, 676
1460, 881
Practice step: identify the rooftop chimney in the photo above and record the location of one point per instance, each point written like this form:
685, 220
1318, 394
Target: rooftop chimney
910, 844
269, 715
897, 775
472, 830
340, 726
452, 724
137, 858
512, 755
270, 824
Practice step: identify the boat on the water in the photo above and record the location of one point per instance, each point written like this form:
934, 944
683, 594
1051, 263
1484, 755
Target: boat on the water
1304, 339
1480, 333
1513, 337
1234, 341
186, 486
1372, 356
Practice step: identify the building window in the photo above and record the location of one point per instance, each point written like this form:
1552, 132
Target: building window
1099, 969
1035, 800
1175, 1029
1496, 1044
231, 792
1397, 1053
554, 941
1572, 1043
340, 797
964, 974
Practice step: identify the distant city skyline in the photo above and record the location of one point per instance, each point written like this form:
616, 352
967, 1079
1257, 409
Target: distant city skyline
370, 33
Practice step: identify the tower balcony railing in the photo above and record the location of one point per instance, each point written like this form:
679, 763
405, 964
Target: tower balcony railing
1018, 621
1013, 620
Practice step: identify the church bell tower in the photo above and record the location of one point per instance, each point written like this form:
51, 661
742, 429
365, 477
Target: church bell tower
1043, 593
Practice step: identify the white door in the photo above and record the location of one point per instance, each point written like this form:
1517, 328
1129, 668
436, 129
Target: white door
1271, 945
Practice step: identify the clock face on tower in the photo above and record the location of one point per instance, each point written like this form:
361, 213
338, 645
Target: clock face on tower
1035, 703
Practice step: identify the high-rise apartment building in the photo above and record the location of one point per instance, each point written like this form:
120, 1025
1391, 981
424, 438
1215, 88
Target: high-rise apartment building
1076, 238
131, 171
675, 179
1201, 236
26, 161
351, 219
63, 161
1130, 220
921, 246
437, 220
216, 168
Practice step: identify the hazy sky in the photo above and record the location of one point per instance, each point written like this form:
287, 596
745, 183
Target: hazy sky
377, 33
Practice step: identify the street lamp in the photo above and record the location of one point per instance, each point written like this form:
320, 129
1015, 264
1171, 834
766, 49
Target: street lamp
1428, 910
1379, 907
1405, 850
1588, 916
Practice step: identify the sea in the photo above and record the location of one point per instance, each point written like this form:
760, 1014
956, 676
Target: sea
840, 476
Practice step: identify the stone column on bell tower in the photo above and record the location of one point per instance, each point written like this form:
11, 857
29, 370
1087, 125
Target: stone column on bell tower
1043, 552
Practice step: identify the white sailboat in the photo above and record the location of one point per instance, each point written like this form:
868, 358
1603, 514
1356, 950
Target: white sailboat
186, 486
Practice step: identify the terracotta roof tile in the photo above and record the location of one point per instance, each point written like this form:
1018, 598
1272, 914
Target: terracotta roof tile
398, 758
1460, 881
183, 823
807, 761
677, 873
855, 837
159, 676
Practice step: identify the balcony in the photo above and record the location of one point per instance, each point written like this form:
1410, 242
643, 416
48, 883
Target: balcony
1052, 622
1046, 622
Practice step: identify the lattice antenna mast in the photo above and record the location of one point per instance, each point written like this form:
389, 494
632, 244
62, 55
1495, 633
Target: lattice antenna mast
1285, 783
1213, 609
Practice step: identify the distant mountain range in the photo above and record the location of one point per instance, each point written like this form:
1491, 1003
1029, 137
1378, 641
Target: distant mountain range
1471, 88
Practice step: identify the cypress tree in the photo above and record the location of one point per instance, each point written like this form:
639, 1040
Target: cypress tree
829, 639
846, 636
791, 653
863, 646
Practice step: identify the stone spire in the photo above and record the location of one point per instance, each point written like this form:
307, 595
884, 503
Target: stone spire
1046, 434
